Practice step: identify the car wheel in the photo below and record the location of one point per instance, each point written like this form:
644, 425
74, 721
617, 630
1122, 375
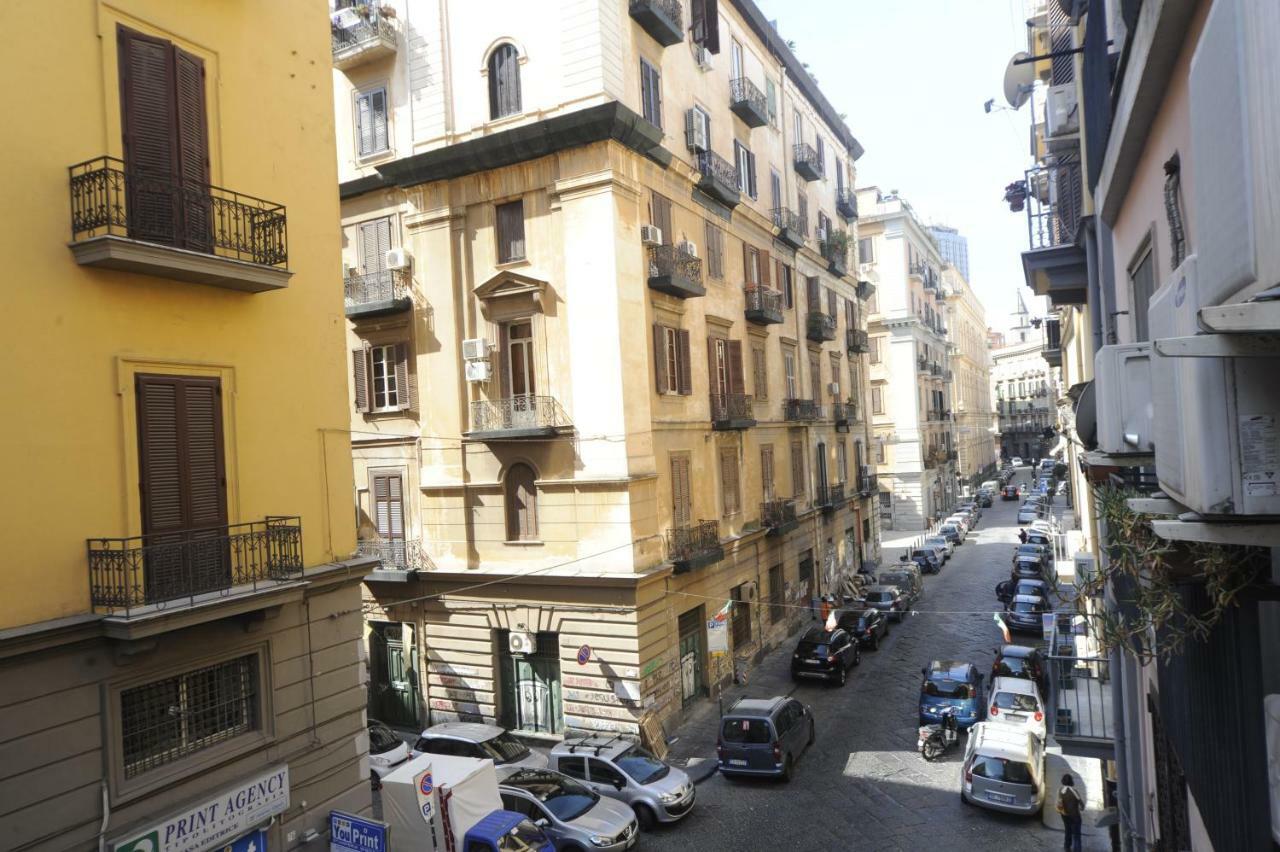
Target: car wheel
787, 768
857, 656
875, 641
644, 816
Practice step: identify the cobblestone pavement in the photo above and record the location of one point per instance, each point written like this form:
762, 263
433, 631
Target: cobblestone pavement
863, 785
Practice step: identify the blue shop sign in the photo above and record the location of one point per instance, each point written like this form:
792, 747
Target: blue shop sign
350, 833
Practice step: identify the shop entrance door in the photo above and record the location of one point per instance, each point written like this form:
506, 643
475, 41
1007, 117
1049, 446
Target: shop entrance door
692, 651
393, 679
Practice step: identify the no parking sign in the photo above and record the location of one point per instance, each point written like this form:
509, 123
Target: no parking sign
584, 655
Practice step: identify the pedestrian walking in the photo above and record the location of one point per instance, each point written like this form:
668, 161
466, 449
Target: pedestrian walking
1070, 807
1022, 535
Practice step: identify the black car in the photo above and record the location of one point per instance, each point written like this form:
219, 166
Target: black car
1009, 492
906, 582
886, 599
1023, 613
868, 626
1027, 569
927, 561
1009, 589
1021, 661
825, 654
984, 499
1038, 551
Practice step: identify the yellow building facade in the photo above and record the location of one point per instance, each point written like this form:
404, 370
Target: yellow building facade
607, 360
179, 609
973, 413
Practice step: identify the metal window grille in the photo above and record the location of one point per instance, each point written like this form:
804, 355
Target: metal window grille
169, 719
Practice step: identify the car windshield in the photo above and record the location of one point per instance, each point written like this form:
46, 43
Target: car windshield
505, 748
525, 837
942, 686
894, 579
1026, 606
922, 554
806, 648
949, 528
750, 731
936, 541
879, 597
382, 739
1015, 701
862, 623
565, 798
1011, 666
1000, 769
1029, 589
641, 766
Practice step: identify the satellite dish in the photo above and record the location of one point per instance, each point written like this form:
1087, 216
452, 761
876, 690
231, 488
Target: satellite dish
1018, 79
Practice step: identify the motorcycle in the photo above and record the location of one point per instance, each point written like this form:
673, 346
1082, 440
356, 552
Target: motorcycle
935, 740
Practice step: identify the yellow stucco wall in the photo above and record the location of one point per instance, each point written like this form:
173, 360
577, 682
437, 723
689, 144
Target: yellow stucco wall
80, 332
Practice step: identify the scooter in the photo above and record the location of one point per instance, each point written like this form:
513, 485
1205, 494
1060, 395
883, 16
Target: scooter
935, 740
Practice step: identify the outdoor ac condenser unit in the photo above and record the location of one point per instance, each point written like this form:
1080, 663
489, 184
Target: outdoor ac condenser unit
477, 371
1122, 382
651, 235
520, 642
475, 349
398, 258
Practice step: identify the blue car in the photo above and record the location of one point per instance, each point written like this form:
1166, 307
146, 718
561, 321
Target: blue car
952, 683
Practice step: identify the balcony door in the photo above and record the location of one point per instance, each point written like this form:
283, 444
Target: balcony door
388, 517
519, 375
375, 242
182, 485
166, 142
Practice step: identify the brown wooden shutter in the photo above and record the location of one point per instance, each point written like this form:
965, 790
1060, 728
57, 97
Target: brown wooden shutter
812, 294
662, 380
799, 488
766, 472
713, 378
729, 480
831, 304
360, 373
737, 383
684, 362
149, 121
746, 264
765, 263
504, 372
193, 151
180, 454
402, 376
661, 206
681, 511
388, 506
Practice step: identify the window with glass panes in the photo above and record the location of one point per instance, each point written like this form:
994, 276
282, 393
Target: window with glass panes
386, 390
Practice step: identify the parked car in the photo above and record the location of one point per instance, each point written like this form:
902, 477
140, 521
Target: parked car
1028, 568
1016, 702
571, 813
961, 519
825, 654
764, 736
1035, 588
386, 751
1038, 537
984, 498
951, 533
951, 683
474, 739
1021, 661
907, 579
942, 542
1009, 492
927, 559
868, 626
938, 545
1033, 551
1023, 613
886, 599
1028, 512
972, 507
1016, 461
1003, 769
619, 769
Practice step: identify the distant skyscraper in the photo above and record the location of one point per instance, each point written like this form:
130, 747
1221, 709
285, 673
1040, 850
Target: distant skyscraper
953, 247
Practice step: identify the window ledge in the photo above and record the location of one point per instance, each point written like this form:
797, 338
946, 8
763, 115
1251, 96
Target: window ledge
513, 264
161, 261
537, 543
376, 158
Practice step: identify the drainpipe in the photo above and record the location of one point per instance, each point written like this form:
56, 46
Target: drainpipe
1121, 759
1095, 285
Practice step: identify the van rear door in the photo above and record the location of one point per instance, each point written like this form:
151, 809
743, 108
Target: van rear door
747, 743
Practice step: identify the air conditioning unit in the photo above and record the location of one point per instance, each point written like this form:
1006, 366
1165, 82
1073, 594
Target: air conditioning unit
1122, 382
651, 235
398, 258
1062, 112
833, 388
346, 18
475, 349
1215, 418
1086, 566
476, 371
695, 131
703, 57
689, 248
821, 234
1232, 152
520, 642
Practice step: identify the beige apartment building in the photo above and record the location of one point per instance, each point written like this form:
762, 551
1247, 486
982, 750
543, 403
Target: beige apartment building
972, 412
911, 376
607, 359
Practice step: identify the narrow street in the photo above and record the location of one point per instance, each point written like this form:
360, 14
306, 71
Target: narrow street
863, 785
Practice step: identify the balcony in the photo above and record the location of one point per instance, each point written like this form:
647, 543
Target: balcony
867, 484
820, 327
835, 250
1081, 706
399, 560
764, 305
831, 496
1054, 265
154, 224
866, 290
1052, 349
694, 546
922, 363
778, 517
801, 410
660, 19
719, 178
792, 228
843, 413
517, 418
672, 270
358, 39
916, 269
856, 341
808, 166
847, 204
935, 369
144, 575
731, 411
748, 102
376, 293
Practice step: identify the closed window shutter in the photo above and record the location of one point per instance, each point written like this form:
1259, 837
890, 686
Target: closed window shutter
680, 496
504, 81
661, 209
149, 122
378, 107
685, 386
360, 374
388, 501
404, 393
729, 480
180, 453
662, 380
737, 384
759, 373
766, 264
831, 303
813, 294
799, 487
375, 242
510, 224
766, 472
193, 151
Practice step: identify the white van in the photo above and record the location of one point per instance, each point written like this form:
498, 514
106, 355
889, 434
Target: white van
1016, 703
1003, 769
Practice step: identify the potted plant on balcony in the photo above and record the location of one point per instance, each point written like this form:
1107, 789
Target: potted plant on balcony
836, 249
1016, 195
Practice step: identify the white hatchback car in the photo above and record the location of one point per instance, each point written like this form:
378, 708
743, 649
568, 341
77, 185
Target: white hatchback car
1028, 513
1016, 702
939, 541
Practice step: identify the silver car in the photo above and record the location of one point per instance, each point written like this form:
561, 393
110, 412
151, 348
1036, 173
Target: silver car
1003, 769
620, 769
474, 739
571, 813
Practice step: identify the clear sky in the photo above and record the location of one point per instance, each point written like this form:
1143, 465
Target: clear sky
911, 77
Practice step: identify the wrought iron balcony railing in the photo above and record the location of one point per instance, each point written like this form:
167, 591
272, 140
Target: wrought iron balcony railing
523, 416
801, 410
396, 554
694, 546
1054, 201
856, 340
917, 268
360, 39
779, 516
379, 292
830, 495
660, 19
731, 411
764, 304
675, 271
867, 484
922, 364
1081, 703
820, 327
719, 177
748, 102
163, 570
807, 163
107, 199
847, 203
793, 229
843, 413
835, 250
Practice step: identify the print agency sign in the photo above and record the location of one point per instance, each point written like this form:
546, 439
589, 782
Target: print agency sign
216, 821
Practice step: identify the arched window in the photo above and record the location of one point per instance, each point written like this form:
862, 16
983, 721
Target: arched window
504, 81
520, 495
